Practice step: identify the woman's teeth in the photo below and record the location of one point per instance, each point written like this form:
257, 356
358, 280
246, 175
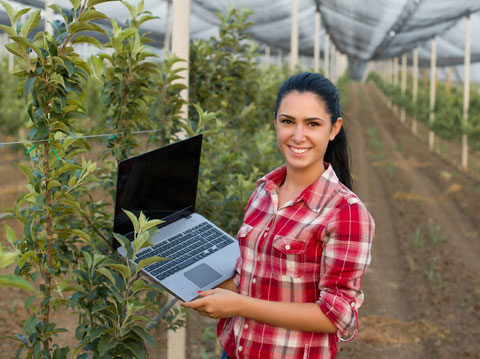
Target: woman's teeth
299, 150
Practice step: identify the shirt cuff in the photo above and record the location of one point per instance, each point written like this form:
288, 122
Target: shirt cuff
342, 312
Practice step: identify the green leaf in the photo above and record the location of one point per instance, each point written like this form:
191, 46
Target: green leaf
53, 183
14, 281
105, 344
7, 258
121, 268
152, 223
147, 261
92, 14
8, 30
21, 12
141, 241
81, 234
92, 3
133, 219
56, 8
32, 22
140, 284
15, 49
76, 4
88, 40
106, 273
24, 257
29, 325
125, 243
10, 234
9, 9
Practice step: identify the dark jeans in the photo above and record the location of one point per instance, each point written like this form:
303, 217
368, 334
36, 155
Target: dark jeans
224, 355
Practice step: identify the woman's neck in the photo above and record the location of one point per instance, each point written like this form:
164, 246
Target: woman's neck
299, 179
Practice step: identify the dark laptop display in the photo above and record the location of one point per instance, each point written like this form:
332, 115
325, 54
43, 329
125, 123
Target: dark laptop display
162, 183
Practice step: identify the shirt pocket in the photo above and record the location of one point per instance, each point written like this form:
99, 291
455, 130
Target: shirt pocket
287, 256
244, 230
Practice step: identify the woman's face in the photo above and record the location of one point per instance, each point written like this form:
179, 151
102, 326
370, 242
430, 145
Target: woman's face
304, 128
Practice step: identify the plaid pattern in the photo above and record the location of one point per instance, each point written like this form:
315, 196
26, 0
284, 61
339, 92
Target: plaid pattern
311, 250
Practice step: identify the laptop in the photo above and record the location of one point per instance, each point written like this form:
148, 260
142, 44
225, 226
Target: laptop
163, 185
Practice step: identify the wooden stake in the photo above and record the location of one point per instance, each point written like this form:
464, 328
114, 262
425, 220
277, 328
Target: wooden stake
326, 56
294, 37
466, 95
433, 77
316, 42
181, 43
404, 85
415, 88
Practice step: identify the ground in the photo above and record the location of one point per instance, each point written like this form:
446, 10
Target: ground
422, 290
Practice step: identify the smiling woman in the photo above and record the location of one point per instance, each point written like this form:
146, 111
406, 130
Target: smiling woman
305, 240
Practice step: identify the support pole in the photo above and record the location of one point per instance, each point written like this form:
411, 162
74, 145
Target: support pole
280, 57
168, 27
466, 96
267, 56
326, 56
433, 76
48, 17
415, 89
181, 43
316, 42
403, 114
448, 85
294, 37
333, 63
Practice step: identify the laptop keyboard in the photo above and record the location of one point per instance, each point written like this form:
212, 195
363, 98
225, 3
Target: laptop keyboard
184, 249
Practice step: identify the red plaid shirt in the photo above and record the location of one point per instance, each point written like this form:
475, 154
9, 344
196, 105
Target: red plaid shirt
311, 250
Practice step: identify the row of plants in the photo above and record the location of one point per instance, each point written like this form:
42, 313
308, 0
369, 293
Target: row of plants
65, 250
448, 109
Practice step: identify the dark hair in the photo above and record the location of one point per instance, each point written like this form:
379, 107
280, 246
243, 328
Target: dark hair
337, 152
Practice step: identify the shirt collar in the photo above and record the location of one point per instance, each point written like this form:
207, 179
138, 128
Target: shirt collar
315, 195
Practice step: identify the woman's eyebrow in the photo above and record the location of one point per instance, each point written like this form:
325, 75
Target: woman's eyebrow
313, 119
305, 120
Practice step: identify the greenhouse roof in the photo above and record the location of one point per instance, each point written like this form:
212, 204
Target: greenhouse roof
362, 29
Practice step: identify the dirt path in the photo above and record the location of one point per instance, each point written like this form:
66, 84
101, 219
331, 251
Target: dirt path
422, 294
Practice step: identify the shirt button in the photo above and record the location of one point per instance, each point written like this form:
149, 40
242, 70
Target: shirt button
240, 348
287, 247
254, 280
246, 326
352, 305
267, 228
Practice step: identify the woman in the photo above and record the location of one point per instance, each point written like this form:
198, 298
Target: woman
305, 241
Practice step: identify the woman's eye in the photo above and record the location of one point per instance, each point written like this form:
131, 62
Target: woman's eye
286, 122
313, 124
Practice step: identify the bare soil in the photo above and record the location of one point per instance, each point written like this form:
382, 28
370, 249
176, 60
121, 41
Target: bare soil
422, 290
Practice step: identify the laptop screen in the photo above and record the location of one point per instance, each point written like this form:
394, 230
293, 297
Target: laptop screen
161, 183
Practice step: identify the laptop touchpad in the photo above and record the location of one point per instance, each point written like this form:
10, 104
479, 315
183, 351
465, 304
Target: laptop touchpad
202, 275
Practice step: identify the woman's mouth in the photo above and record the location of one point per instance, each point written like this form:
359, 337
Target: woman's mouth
298, 150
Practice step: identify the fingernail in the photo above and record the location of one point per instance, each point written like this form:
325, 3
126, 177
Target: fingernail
199, 291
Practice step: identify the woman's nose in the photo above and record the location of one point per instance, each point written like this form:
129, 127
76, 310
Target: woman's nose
298, 135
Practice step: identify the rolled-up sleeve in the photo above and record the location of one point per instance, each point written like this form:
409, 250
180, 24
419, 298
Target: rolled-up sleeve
345, 258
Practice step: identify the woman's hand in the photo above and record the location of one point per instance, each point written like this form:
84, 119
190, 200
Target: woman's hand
216, 303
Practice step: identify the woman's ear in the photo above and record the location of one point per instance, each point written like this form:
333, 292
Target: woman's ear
336, 128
